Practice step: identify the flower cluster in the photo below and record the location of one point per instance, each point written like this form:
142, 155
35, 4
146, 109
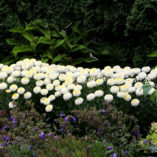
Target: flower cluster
30, 77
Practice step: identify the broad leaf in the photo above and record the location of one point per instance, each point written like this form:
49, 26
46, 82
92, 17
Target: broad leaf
44, 40
13, 42
19, 49
28, 36
59, 43
78, 48
153, 54
47, 54
104, 52
154, 96
17, 30
59, 58
146, 88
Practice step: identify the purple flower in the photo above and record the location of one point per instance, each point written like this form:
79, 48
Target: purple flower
5, 127
61, 115
108, 148
12, 118
126, 152
62, 129
50, 134
33, 155
138, 133
42, 135
103, 111
74, 119
106, 123
1, 145
115, 154
25, 114
55, 137
144, 142
6, 138
66, 119
35, 129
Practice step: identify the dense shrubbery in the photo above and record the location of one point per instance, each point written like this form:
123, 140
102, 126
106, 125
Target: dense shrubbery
126, 28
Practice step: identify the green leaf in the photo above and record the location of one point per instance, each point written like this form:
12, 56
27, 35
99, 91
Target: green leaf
59, 58
13, 42
44, 40
47, 54
153, 54
44, 60
154, 95
28, 36
105, 52
17, 30
78, 48
19, 49
59, 43
146, 88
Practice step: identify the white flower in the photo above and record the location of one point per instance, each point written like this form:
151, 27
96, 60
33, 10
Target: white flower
141, 75
15, 96
49, 87
67, 96
99, 82
62, 77
3, 86
91, 84
57, 94
131, 89
120, 94
21, 90
151, 91
76, 92
25, 80
79, 87
146, 69
56, 83
44, 91
81, 79
39, 83
99, 93
90, 96
138, 85
139, 92
119, 81
10, 79
3, 75
71, 86
64, 90
114, 89
111, 82
45, 101
127, 97
47, 81
36, 89
12, 105
135, 102
152, 76
124, 88
152, 83
52, 97
108, 97
78, 101
15, 73
49, 108
27, 95
13, 87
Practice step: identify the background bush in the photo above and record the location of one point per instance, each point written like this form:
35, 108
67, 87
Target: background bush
126, 28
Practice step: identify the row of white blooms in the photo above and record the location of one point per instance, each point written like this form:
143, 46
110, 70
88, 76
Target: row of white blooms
52, 81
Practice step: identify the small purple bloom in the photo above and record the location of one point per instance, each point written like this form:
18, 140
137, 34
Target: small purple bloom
33, 155
66, 119
5, 127
126, 152
144, 142
1, 145
12, 118
115, 154
50, 134
74, 119
138, 133
109, 148
61, 115
35, 129
42, 135
6, 138
103, 111
62, 129
25, 114
106, 123
55, 137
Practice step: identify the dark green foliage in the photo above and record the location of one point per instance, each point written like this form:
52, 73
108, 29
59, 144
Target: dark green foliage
126, 28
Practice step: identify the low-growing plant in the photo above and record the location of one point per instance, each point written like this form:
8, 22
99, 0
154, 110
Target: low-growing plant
107, 125
27, 127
